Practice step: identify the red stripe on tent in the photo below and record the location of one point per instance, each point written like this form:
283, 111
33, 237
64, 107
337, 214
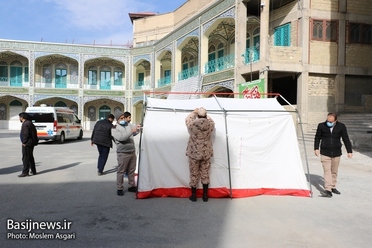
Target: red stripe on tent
221, 192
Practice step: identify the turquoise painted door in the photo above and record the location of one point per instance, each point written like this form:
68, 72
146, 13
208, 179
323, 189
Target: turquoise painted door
141, 78
61, 78
15, 76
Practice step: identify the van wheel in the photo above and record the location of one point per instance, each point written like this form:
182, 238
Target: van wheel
62, 138
80, 135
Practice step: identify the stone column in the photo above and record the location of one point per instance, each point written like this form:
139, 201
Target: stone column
31, 77
340, 93
157, 70
340, 78
203, 50
264, 35
240, 40
177, 61
302, 80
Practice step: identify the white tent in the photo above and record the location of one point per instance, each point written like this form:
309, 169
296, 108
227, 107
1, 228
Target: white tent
255, 149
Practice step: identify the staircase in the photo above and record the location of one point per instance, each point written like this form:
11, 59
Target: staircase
359, 128
187, 85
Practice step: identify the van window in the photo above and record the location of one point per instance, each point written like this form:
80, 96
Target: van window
76, 119
41, 117
60, 118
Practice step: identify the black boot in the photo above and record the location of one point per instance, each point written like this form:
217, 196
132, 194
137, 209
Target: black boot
205, 192
193, 195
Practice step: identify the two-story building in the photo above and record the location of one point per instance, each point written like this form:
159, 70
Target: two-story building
316, 53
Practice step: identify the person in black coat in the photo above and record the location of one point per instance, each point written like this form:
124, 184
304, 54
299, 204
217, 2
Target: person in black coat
102, 138
328, 138
29, 140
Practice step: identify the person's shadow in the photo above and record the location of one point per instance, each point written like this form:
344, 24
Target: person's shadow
317, 181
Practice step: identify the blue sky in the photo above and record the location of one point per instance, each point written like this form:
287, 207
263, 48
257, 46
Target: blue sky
75, 21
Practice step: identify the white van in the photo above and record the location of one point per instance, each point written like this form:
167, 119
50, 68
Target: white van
55, 123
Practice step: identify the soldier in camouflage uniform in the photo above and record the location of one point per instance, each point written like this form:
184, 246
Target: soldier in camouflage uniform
199, 150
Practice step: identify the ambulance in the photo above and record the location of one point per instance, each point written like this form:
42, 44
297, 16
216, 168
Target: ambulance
55, 123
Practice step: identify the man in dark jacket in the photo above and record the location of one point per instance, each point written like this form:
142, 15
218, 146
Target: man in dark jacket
29, 140
101, 136
328, 136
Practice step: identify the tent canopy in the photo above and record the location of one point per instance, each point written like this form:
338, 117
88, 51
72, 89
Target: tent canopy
257, 135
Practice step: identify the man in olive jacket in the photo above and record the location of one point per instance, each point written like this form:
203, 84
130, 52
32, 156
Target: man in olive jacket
126, 153
29, 140
328, 136
101, 136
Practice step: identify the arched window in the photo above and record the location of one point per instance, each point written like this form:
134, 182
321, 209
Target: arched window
92, 75
16, 73
118, 76
191, 61
185, 64
60, 104
61, 76
105, 78
256, 37
117, 109
92, 113
220, 50
256, 44
248, 41
47, 73
3, 71
73, 74
104, 111
74, 108
3, 111
211, 53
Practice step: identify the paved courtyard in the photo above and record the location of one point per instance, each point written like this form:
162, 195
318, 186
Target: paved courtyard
67, 189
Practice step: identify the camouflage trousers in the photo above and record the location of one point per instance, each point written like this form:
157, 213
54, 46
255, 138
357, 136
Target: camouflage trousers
199, 169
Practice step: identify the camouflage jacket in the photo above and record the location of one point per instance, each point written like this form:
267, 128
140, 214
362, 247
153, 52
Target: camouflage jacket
199, 146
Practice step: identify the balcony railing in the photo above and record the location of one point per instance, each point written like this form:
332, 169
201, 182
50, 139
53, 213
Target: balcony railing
65, 85
164, 81
219, 64
191, 72
13, 82
251, 55
142, 85
105, 85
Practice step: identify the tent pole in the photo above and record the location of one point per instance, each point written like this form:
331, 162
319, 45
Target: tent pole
303, 142
307, 163
140, 140
227, 143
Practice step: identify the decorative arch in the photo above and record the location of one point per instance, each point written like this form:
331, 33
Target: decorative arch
227, 14
16, 63
193, 34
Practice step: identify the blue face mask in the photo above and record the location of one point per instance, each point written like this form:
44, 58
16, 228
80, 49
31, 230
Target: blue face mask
329, 124
122, 123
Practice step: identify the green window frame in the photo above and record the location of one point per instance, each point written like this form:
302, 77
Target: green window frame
282, 35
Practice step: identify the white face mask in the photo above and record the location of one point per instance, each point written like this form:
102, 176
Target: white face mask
330, 124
